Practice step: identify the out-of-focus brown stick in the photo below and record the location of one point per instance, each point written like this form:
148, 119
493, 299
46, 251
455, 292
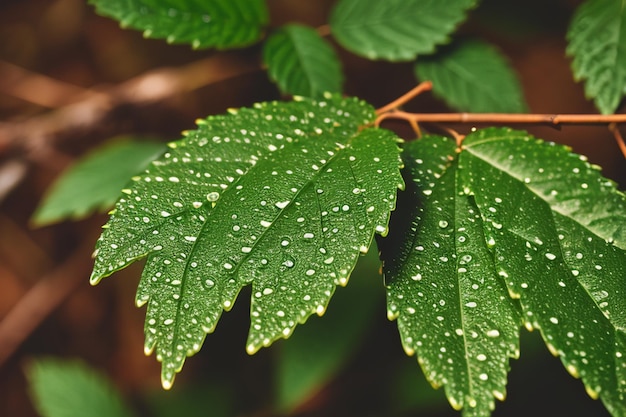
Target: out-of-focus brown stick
43, 298
42, 132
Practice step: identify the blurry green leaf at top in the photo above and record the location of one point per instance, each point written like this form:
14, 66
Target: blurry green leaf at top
473, 76
221, 24
597, 39
301, 62
316, 352
69, 388
95, 182
396, 30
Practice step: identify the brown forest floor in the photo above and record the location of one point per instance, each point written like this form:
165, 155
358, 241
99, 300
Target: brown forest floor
54, 54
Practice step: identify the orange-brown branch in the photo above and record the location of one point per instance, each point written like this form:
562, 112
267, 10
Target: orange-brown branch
509, 118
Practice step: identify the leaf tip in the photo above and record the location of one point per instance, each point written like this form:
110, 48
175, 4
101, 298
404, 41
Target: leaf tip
501, 396
167, 380
94, 280
592, 392
251, 349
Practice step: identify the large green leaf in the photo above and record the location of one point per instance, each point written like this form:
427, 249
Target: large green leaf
396, 30
508, 211
473, 76
597, 43
91, 185
206, 24
551, 218
452, 309
302, 62
282, 196
69, 388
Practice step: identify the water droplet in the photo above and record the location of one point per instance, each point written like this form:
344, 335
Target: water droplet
213, 196
443, 224
493, 333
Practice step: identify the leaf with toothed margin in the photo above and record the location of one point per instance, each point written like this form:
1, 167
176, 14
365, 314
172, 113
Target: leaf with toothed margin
558, 233
534, 219
596, 39
451, 308
218, 24
301, 62
283, 197
396, 30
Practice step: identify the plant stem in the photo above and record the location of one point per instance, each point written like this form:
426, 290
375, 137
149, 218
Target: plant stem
419, 89
512, 118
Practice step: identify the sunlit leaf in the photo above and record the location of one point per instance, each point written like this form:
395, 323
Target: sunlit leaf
451, 307
212, 23
302, 62
596, 36
283, 197
473, 76
95, 181
551, 217
69, 388
396, 30
509, 219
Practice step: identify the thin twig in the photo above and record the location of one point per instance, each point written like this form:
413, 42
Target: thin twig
40, 89
419, 89
40, 133
42, 299
510, 118
618, 138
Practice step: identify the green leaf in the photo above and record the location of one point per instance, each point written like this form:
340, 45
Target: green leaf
596, 41
94, 182
316, 352
550, 218
396, 30
69, 388
473, 76
452, 309
282, 196
212, 23
302, 62
516, 211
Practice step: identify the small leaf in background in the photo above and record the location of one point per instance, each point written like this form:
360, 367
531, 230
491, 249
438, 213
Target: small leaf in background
218, 24
302, 62
283, 197
396, 30
95, 181
596, 36
200, 399
316, 352
452, 309
472, 76
70, 388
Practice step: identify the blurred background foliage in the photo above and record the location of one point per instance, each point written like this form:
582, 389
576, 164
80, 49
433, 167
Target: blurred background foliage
58, 54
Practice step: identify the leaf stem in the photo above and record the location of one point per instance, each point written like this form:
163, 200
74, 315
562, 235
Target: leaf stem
618, 138
419, 89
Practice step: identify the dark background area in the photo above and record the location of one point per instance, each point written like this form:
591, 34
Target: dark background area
44, 271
